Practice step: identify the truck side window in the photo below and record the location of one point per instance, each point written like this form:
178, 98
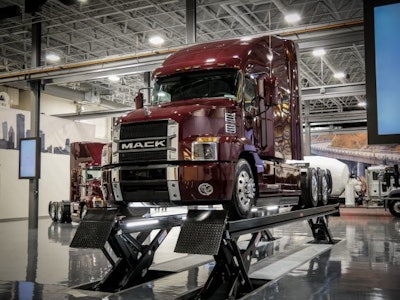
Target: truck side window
250, 93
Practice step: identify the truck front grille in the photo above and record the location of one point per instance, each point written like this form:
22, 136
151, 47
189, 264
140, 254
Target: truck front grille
143, 130
136, 141
143, 156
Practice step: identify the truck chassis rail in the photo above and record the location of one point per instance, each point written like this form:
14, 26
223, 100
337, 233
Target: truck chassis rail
129, 238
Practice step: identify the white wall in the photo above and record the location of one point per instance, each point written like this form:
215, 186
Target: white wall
54, 181
103, 127
51, 105
55, 169
53, 184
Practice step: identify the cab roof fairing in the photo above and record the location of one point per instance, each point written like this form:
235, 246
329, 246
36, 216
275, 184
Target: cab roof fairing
248, 55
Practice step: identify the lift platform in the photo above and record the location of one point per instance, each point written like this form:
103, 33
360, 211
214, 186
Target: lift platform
202, 232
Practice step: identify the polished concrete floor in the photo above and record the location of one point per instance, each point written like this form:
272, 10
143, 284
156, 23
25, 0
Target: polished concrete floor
365, 264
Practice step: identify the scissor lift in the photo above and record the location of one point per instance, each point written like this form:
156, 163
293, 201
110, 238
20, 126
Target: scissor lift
202, 232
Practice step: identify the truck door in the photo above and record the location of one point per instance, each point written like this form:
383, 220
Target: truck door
264, 122
259, 118
250, 109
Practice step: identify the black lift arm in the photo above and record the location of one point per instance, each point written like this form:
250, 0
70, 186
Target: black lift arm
229, 278
202, 232
130, 240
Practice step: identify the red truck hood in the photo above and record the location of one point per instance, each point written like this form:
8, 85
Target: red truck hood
178, 110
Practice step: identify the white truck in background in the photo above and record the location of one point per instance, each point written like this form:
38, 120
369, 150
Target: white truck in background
383, 187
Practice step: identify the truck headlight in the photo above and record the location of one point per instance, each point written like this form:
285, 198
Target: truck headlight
106, 155
205, 148
116, 132
114, 146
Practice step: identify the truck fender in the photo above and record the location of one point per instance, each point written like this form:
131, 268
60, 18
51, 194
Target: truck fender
259, 166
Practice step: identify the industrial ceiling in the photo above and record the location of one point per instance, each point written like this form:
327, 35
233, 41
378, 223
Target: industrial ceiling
97, 38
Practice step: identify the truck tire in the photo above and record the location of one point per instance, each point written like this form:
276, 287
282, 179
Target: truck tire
394, 208
61, 213
53, 211
323, 188
309, 191
329, 180
244, 191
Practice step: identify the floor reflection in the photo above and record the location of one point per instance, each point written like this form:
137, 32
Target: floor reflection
365, 265
84, 265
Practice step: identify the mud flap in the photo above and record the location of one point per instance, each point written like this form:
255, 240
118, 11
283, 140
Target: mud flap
94, 229
202, 231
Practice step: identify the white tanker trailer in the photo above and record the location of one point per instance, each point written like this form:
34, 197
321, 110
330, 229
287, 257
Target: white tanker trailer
338, 173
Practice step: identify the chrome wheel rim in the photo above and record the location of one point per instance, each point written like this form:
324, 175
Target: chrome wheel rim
245, 190
396, 207
314, 189
52, 212
324, 190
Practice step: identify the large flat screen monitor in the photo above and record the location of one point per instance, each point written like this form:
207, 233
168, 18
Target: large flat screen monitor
29, 158
382, 62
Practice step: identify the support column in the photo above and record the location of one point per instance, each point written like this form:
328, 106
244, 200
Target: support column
360, 169
190, 21
35, 122
307, 130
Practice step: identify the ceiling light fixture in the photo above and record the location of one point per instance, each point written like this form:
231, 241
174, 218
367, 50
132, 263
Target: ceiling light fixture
319, 52
246, 39
113, 78
292, 18
52, 57
339, 75
362, 104
156, 40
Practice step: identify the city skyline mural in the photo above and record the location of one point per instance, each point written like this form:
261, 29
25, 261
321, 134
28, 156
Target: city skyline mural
56, 134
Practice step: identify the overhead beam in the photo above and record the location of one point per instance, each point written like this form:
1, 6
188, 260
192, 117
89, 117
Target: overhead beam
327, 41
355, 116
74, 95
64, 92
94, 114
141, 62
123, 65
333, 91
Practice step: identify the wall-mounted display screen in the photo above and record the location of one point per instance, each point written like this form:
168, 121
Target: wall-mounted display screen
29, 158
382, 61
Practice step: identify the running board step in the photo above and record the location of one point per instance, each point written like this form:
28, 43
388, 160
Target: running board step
202, 231
94, 230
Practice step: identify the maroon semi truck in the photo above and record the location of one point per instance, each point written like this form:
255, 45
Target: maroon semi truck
223, 121
85, 183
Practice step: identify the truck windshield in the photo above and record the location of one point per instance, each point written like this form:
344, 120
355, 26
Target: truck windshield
202, 84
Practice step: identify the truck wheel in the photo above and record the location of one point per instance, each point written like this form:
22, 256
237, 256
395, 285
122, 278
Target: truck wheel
323, 188
244, 191
309, 192
53, 211
61, 213
394, 207
329, 180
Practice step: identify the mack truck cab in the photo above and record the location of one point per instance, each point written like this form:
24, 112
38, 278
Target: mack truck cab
223, 121
85, 184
